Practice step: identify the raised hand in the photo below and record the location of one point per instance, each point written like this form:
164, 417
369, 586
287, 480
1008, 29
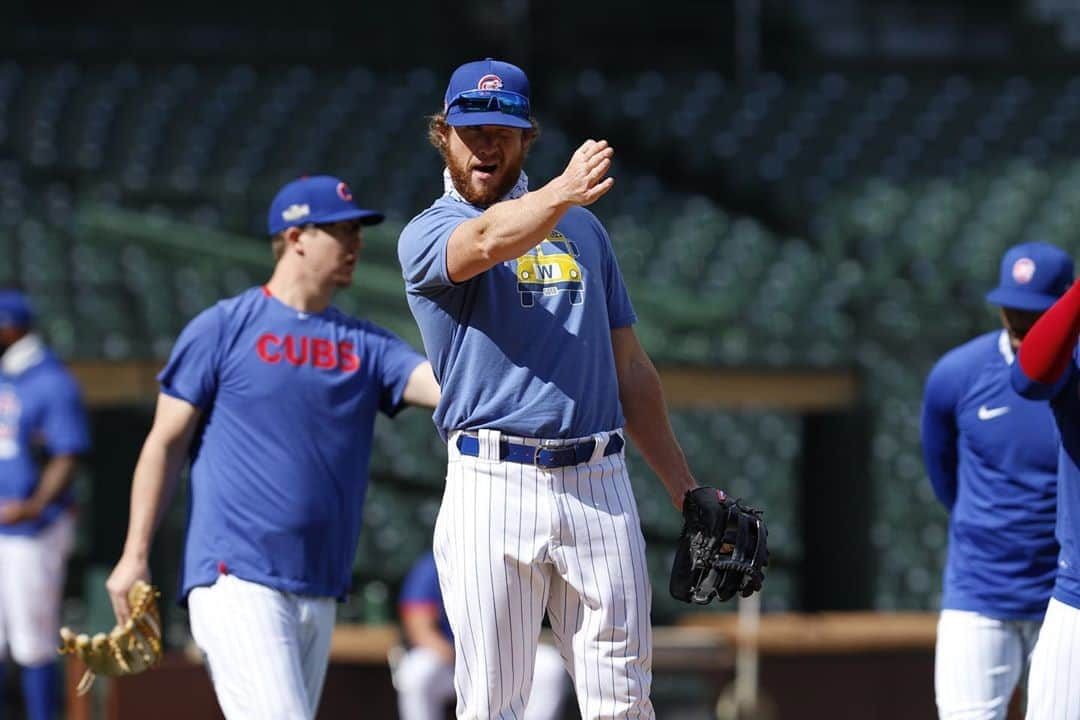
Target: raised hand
583, 182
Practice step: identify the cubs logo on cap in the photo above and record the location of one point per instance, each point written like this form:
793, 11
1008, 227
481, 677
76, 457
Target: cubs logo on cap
316, 199
1033, 276
1023, 270
488, 92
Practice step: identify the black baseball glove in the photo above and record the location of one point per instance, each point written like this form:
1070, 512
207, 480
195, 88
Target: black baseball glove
722, 549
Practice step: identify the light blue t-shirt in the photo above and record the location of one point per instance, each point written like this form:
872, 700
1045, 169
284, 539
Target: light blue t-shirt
279, 465
525, 347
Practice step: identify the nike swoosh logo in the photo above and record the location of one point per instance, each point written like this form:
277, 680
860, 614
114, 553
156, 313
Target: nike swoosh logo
986, 413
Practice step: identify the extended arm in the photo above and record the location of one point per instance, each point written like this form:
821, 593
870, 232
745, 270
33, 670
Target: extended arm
1048, 347
421, 388
509, 229
646, 414
153, 484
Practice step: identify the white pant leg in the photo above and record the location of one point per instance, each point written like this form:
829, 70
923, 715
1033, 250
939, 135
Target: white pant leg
317, 615
491, 541
32, 571
1054, 681
600, 601
977, 663
251, 637
425, 682
549, 685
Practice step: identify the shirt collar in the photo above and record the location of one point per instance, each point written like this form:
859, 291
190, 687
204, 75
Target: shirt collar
22, 355
1005, 347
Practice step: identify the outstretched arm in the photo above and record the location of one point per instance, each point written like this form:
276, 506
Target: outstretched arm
156, 475
646, 415
508, 230
1048, 347
422, 389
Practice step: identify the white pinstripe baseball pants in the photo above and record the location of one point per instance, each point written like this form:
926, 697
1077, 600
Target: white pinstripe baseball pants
512, 540
266, 650
1054, 681
978, 661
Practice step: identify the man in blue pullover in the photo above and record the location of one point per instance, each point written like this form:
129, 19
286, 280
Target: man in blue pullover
992, 459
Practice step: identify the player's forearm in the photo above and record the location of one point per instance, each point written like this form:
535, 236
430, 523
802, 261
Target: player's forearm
422, 389
942, 480
153, 484
55, 478
436, 642
505, 231
1049, 345
647, 423
938, 435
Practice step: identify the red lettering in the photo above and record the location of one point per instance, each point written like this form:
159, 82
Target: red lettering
290, 350
263, 348
322, 352
301, 350
349, 360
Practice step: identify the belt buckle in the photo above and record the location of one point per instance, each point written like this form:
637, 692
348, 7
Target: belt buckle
540, 447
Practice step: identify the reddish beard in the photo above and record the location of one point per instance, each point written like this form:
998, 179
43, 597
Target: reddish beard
461, 177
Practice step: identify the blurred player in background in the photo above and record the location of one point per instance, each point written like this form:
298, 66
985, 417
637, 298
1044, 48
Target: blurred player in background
1049, 369
274, 394
425, 676
992, 459
41, 411
524, 313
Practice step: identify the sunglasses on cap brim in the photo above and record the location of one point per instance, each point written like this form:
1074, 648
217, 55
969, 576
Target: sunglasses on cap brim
504, 101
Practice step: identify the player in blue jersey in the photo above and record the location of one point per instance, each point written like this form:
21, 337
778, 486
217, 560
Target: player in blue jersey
273, 394
992, 460
41, 412
424, 678
1049, 369
525, 317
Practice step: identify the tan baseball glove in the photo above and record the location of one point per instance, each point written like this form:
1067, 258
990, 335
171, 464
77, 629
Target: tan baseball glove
128, 649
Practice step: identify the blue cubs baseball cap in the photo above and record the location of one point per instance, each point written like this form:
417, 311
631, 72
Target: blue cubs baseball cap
1033, 276
488, 92
316, 199
15, 309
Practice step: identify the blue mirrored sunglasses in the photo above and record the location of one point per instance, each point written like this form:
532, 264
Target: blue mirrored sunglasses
505, 101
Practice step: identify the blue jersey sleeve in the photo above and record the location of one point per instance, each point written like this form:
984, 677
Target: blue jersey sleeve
396, 363
65, 426
192, 371
620, 310
939, 429
421, 585
422, 249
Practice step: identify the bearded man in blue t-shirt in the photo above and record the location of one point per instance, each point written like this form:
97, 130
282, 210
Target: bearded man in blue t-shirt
273, 395
529, 327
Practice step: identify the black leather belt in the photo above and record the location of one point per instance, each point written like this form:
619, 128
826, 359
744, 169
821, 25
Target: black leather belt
540, 455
